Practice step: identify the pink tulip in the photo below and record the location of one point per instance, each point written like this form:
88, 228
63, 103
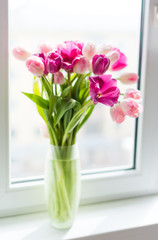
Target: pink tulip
89, 50
117, 114
120, 63
59, 78
104, 49
20, 53
113, 56
35, 65
129, 78
100, 64
104, 89
69, 51
43, 58
131, 107
44, 48
132, 93
80, 65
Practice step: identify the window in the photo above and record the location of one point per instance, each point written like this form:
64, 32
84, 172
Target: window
104, 145
119, 175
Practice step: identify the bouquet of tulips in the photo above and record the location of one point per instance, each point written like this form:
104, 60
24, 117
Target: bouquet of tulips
71, 79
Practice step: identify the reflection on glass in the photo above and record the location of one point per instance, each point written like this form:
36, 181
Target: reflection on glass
103, 144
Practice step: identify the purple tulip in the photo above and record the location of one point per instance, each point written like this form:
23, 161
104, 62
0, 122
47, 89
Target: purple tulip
100, 64
104, 89
53, 62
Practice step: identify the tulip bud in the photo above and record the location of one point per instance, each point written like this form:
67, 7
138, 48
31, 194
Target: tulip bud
80, 65
113, 56
53, 62
129, 78
35, 65
132, 93
20, 53
131, 107
100, 64
89, 50
117, 114
44, 48
104, 49
59, 78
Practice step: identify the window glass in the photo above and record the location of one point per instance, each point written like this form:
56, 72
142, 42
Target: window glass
103, 144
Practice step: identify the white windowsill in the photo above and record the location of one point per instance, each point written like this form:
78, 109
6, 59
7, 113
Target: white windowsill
130, 219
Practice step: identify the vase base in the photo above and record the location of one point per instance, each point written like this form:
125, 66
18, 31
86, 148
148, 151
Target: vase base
65, 225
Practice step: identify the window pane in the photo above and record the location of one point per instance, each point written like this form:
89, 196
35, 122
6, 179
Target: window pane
103, 144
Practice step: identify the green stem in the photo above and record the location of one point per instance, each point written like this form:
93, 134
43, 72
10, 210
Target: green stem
69, 83
61, 181
56, 92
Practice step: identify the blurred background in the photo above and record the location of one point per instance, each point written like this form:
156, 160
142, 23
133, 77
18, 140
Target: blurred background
104, 145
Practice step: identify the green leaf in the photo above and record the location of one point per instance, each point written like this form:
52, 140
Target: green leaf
75, 120
65, 92
83, 92
67, 118
73, 77
37, 92
36, 87
52, 132
75, 89
52, 104
46, 85
86, 94
38, 100
86, 116
64, 107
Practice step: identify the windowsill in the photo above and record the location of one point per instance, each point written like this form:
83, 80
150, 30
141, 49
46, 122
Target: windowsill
131, 219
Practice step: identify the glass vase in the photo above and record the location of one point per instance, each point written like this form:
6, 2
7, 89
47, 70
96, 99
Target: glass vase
62, 185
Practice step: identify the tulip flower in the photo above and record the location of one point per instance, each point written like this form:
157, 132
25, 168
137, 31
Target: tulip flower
89, 50
120, 63
80, 65
104, 49
132, 93
104, 89
100, 64
117, 114
59, 78
43, 58
20, 53
69, 51
129, 78
35, 65
53, 62
131, 107
113, 56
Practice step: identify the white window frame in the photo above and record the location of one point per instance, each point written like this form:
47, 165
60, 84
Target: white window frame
143, 180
